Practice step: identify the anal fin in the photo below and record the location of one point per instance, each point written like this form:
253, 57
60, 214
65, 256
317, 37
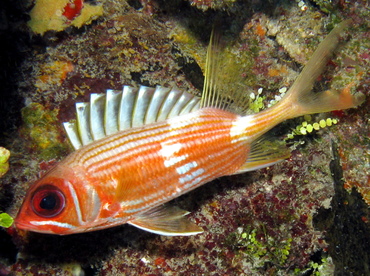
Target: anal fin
264, 152
167, 221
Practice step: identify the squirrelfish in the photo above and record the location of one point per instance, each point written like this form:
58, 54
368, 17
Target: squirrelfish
137, 149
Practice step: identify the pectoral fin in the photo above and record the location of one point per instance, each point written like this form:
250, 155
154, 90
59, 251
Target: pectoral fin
265, 152
167, 221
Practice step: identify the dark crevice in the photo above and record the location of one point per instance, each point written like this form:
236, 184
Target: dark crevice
136, 4
191, 69
347, 232
8, 249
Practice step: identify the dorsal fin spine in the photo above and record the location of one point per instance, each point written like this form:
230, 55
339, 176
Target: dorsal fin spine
116, 110
144, 96
72, 134
83, 123
191, 106
113, 98
127, 106
181, 101
167, 104
97, 107
156, 103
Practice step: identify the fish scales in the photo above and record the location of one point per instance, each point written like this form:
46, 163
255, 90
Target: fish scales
201, 138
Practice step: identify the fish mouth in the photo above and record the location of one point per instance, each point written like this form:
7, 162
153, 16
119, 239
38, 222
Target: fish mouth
22, 225
26, 226
45, 227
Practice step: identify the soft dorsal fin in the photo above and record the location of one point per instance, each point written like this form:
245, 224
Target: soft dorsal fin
217, 91
116, 110
210, 95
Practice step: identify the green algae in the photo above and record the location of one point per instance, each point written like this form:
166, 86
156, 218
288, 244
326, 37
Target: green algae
270, 249
308, 125
4, 165
322, 267
260, 248
41, 127
5, 220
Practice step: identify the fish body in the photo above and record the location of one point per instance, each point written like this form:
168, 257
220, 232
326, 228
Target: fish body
126, 176
130, 172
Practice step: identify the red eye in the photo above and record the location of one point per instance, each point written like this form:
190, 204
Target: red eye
48, 201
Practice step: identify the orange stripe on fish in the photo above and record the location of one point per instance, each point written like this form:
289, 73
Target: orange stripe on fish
137, 149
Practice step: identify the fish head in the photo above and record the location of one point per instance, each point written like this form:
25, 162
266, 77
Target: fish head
52, 204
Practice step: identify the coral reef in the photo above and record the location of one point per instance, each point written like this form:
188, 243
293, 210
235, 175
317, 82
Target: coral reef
258, 223
43, 132
47, 15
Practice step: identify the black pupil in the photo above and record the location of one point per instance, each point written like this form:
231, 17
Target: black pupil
48, 202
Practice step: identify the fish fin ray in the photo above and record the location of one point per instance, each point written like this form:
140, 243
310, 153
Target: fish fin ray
167, 221
73, 134
116, 110
264, 152
308, 101
217, 92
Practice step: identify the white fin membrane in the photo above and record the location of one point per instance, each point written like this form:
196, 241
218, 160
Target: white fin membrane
116, 110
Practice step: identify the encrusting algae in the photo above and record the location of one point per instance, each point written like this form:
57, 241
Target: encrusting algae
53, 73
56, 15
41, 128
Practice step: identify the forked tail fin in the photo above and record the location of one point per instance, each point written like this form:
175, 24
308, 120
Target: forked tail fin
299, 100
306, 101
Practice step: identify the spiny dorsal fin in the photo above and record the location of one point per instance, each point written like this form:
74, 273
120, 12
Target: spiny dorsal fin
217, 91
116, 110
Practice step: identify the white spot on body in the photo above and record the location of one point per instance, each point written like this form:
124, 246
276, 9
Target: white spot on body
191, 176
187, 167
106, 206
168, 150
239, 127
173, 160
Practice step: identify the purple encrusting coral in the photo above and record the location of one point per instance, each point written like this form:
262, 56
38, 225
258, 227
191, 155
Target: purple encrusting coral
258, 223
